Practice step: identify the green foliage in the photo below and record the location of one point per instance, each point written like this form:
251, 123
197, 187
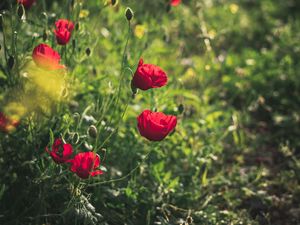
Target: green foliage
233, 70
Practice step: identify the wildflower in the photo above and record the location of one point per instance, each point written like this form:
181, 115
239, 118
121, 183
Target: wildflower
85, 164
234, 8
139, 31
60, 153
26, 3
84, 13
45, 57
175, 2
7, 124
148, 76
155, 126
63, 31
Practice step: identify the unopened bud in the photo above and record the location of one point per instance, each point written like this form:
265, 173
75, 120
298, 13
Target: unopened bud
168, 9
21, 11
76, 117
77, 26
75, 138
11, 62
45, 35
114, 2
92, 131
189, 220
94, 71
73, 43
133, 89
88, 51
180, 108
129, 14
88, 146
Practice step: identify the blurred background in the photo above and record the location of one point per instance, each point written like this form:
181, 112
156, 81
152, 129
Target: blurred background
234, 85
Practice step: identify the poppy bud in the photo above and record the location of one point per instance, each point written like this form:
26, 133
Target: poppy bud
92, 131
20, 11
45, 35
189, 220
94, 71
180, 108
77, 26
73, 43
168, 9
75, 138
64, 93
114, 2
88, 51
11, 62
76, 117
133, 89
87, 146
129, 13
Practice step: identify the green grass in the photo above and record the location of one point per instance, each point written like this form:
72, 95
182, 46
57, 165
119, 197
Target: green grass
233, 84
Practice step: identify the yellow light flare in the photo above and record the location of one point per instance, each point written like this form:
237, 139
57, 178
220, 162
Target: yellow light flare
41, 90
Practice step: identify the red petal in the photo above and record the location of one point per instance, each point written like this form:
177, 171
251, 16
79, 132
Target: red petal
96, 172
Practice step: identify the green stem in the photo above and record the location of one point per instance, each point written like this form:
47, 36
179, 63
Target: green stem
124, 177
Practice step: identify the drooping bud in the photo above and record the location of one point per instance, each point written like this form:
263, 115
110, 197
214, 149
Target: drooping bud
92, 131
76, 117
129, 14
75, 138
88, 146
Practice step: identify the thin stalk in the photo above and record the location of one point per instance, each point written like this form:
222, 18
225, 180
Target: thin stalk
127, 175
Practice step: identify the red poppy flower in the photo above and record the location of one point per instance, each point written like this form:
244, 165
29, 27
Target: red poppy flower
155, 126
60, 152
26, 3
63, 31
175, 2
7, 124
85, 164
149, 76
45, 57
